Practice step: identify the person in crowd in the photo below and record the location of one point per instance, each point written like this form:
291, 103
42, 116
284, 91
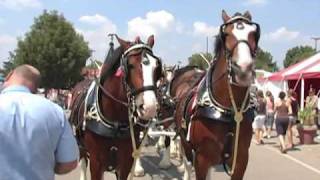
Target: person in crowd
293, 117
312, 99
36, 139
282, 111
270, 114
260, 117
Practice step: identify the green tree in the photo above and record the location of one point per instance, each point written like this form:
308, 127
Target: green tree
8, 65
94, 64
54, 47
197, 60
264, 61
297, 54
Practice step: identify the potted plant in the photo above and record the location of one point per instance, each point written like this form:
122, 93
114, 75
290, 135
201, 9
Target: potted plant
307, 128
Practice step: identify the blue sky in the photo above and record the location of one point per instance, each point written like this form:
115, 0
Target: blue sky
180, 26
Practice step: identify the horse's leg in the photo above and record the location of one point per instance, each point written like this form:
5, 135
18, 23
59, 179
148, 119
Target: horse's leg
160, 144
138, 170
96, 168
202, 165
165, 154
178, 149
187, 169
83, 170
98, 155
125, 162
243, 151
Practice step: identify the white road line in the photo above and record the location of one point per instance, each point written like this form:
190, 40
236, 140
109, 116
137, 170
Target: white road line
156, 167
296, 160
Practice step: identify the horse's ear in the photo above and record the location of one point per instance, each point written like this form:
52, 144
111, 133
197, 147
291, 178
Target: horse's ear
150, 41
247, 15
137, 40
225, 16
124, 44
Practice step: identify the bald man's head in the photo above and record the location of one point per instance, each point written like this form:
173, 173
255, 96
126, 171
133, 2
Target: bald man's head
26, 75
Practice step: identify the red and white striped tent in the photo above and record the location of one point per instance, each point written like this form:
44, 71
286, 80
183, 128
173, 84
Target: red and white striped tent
304, 74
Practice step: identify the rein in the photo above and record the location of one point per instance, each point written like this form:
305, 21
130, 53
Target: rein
238, 117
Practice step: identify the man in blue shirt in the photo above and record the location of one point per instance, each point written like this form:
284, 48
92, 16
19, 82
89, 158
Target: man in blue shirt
36, 140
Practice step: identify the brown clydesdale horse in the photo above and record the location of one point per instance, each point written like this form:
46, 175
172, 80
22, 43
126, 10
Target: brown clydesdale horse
174, 84
206, 115
126, 89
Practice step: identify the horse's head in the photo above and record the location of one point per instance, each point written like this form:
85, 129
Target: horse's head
240, 37
142, 70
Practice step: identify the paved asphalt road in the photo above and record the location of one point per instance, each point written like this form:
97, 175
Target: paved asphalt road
265, 163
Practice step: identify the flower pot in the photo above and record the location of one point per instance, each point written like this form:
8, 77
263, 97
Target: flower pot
307, 134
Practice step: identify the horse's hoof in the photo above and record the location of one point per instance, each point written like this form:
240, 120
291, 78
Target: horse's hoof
181, 168
139, 173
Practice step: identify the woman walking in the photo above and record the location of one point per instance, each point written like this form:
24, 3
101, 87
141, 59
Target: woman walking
282, 111
292, 100
270, 113
260, 118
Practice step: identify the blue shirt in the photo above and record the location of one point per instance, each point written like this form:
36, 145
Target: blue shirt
34, 135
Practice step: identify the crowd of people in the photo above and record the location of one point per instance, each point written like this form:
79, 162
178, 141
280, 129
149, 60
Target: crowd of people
282, 113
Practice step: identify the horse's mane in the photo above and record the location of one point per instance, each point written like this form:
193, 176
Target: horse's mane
111, 63
218, 45
182, 70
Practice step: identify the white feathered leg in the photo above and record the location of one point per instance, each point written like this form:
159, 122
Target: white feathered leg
210, 173
138, 170
187, 169
160, 144
83, 169
165, 158
173, 148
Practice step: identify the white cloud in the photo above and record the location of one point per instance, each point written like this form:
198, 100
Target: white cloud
255, 2
20, 4
7, 43
97, 37
203, 29
282, 34
154, 23
95, 19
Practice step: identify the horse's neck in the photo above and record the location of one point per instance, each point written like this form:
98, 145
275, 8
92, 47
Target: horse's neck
219, 86
115, 87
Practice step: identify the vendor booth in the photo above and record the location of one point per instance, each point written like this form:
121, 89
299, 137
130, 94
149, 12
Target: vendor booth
300, 77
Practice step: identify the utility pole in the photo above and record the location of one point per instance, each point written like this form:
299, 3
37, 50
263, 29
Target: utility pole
316, 39
207, 39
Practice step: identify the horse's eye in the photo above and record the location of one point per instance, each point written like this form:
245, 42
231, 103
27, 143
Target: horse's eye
146, 62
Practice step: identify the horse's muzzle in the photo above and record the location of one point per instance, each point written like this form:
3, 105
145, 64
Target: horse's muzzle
147, 105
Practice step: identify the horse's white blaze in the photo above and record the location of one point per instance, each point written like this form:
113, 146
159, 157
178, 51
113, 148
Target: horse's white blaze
244, 58
149, 97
